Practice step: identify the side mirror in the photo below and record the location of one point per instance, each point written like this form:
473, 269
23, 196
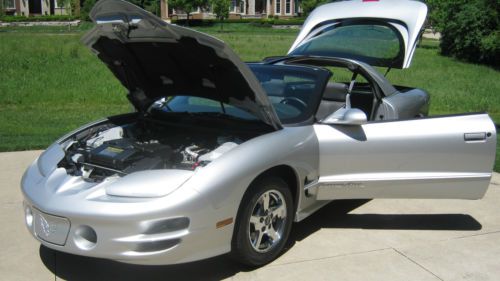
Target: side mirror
346, 116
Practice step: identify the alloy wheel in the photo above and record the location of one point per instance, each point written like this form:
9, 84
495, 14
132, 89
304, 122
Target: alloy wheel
267, 221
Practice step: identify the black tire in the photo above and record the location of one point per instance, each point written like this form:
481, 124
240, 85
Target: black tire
242, 249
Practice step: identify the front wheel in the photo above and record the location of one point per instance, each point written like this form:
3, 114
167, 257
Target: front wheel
264, 222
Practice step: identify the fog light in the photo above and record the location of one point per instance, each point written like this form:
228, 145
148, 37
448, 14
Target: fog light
85, 237
28, 216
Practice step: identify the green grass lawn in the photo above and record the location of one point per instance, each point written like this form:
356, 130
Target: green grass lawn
50, 83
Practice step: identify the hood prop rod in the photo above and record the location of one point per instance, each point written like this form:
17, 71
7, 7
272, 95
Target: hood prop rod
349, 90
387, 72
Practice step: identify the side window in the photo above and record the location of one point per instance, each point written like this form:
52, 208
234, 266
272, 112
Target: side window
291, 95
294, 91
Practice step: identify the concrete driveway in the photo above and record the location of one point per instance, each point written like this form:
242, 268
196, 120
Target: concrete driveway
346, 240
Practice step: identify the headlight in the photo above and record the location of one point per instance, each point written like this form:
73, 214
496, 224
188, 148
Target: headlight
47, 162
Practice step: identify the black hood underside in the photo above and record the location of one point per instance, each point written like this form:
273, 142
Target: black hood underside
154, 59
155, 69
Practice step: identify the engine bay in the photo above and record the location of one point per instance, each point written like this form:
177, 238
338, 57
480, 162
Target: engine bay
116, 150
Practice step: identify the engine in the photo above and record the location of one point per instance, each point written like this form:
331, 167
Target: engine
118, 151
128, 156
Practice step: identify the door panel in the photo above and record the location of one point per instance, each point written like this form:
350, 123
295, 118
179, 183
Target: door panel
438, 157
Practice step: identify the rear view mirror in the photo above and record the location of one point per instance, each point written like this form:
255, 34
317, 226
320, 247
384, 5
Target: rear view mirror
344, 116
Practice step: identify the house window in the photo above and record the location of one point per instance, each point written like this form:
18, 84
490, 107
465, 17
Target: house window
233, 6
277, 7
242, 7
9, 4
288, 7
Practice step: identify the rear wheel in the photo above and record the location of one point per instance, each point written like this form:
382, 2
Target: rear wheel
264, 222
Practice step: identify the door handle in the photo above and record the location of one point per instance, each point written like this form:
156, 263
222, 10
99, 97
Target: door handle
474, 136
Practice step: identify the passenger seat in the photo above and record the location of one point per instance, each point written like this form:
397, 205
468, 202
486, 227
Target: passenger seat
333, 98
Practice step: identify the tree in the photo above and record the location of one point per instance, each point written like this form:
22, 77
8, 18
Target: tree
67, 6
152, 6
1, 8
470, 29
435, 13
221, 10
87, 7
309, 5
188, 6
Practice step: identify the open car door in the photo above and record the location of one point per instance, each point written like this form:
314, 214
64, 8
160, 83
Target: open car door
378, 32
435, 157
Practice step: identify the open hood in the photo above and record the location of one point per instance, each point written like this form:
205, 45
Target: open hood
378, 32
153, 59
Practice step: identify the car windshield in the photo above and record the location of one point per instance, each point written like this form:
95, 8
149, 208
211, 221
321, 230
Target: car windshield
294, 92
193, 104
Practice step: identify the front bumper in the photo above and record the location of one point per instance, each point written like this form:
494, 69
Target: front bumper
111, 241
140, 231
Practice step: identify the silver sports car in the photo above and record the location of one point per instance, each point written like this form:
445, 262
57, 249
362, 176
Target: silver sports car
223, 156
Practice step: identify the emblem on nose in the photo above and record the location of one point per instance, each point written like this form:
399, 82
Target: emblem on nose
47, 229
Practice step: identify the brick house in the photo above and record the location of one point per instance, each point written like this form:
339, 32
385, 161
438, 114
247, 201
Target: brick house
243, 9
34, 7
238, 9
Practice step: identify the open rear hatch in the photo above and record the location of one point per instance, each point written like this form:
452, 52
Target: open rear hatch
378, 32
153, 59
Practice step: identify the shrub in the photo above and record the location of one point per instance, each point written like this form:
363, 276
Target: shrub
255, 22
38, 18
469, 29
292, 21
152, 6
193, 22
309, 5
85, 10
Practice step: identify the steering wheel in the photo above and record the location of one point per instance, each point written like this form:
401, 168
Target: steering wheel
295, 102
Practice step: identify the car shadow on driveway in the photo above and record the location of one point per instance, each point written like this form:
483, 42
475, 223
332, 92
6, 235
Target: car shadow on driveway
334, 215
72, 267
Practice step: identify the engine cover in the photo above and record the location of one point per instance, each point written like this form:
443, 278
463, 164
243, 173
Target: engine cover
124, 154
